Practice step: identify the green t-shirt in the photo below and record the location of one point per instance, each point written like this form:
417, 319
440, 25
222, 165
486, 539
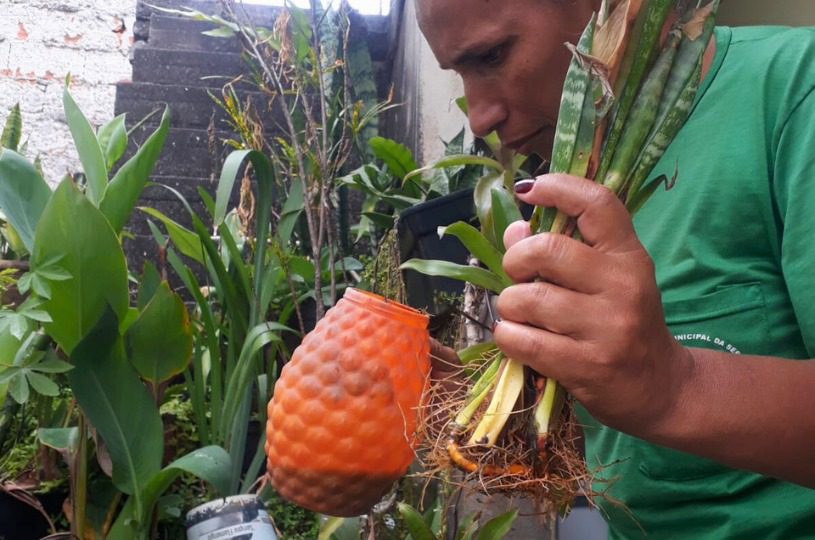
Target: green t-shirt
732, 242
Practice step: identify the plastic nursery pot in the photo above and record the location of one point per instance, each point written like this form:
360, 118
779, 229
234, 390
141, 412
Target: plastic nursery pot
342, 423
239, 516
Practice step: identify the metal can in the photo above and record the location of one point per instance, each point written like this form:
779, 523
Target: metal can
240, 517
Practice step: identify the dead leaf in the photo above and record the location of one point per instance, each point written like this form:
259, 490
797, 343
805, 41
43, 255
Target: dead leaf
611, 38
696, 25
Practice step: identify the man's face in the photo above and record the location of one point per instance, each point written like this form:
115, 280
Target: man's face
511, 58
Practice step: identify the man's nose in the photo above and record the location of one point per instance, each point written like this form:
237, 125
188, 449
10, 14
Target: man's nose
485, 113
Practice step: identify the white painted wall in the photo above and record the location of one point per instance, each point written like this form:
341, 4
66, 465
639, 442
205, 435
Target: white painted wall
41, 41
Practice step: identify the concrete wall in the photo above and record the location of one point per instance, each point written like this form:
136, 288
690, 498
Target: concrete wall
784, 12
428, 114
41, 41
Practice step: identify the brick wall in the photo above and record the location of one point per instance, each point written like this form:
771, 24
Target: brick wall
41, 41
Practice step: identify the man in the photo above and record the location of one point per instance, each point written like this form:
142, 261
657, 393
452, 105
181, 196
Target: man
676, 340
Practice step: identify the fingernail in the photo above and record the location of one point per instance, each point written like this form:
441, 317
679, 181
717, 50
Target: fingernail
494, 324
524, 186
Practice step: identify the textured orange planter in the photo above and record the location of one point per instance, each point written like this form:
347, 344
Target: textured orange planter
345, 410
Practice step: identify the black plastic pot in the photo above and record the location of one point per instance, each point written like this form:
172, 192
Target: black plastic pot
418, 238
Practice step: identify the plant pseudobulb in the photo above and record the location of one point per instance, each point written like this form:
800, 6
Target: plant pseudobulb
342, 422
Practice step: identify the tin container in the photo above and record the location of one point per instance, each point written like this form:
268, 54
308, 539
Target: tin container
240, 517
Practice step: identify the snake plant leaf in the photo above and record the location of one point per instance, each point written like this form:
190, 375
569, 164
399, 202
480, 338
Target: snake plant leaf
159, 342
478, 246
75, 232
23, 195
472, 274
128, 183
482, 196
87, 146
118, 405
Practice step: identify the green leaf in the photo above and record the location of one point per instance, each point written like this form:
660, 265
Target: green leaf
396, 156
497, 527
479, 247
53, 273
8, 373
504, 212
72, 228
23, 195
13, 129
128, 183
118, 405
416, 526
221, 32
42, 384
184, 239
383, 221
159, 342
476, 276
61, 439
230, 172
457, 161
292, 209
40, 287
90, 153
112, 138
52, 364
148, 284
18, 387
476, 352
482, 196
211, 464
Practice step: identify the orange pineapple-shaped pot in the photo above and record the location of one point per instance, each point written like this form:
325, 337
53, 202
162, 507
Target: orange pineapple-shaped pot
342, 423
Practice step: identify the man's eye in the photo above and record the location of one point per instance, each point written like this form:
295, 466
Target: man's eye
493, 56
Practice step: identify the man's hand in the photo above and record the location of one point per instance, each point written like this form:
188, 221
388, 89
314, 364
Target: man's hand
589, 313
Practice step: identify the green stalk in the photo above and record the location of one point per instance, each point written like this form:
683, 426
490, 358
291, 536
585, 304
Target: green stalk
547, 410
478, 393
80, 491
503, 401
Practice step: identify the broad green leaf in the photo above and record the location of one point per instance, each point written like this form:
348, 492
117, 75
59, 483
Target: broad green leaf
42, 384
416, 526
230, 172
184, 239
497, 527
118, 405
112, 139
457, 161
61, 439
159, 342
18, 387
52, 364
477, 276
467, 527
211, 464
478, 245
148, 284
128, 183
504, 212
73, 229
90, 153
396, 156
383, 221
23, 195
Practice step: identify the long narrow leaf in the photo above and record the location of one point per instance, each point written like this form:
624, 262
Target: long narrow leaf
90, 153
477, 276
479, 247
128, 183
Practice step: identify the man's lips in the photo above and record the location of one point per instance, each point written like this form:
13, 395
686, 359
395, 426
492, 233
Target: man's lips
518, 144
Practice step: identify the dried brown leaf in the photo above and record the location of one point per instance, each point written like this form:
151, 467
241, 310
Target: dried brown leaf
610, 39
696, 25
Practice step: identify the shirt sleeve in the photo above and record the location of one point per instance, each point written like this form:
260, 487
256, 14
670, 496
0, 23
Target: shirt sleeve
794, 185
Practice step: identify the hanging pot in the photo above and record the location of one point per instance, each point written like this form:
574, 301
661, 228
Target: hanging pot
342, 422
